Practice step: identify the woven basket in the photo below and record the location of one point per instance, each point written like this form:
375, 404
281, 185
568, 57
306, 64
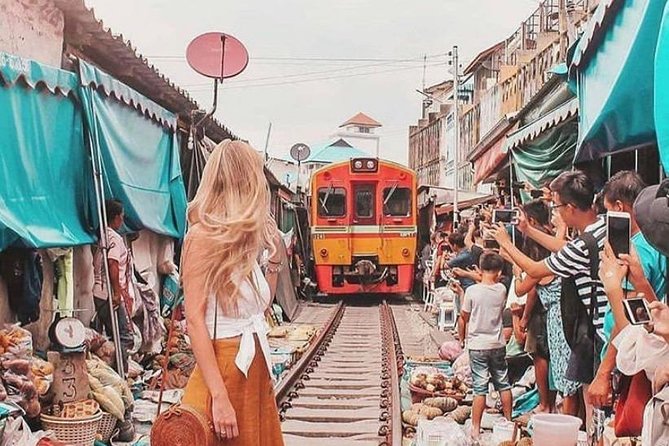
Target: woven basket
106, 426
77, 432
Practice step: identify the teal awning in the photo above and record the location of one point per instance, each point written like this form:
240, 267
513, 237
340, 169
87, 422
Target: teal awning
532, 130
546, 156
140, 152
44, 170
614, 70
662, 90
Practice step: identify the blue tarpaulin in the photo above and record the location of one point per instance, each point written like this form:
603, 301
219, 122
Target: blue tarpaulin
140, 152
662, 90
45, 175
614, 69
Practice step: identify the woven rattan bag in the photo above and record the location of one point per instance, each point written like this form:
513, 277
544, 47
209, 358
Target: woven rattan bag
181, 425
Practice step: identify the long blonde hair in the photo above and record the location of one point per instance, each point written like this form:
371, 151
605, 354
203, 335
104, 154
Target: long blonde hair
231, 210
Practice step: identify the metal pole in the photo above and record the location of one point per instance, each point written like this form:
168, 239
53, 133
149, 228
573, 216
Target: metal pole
96, 162
269, 131
456, 119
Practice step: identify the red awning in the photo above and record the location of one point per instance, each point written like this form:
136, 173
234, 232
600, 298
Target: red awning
487, 164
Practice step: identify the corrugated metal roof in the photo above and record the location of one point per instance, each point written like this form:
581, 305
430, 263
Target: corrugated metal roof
90, 40
549, 120
596, 25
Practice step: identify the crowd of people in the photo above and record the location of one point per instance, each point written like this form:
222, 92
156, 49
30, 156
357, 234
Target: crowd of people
549, 284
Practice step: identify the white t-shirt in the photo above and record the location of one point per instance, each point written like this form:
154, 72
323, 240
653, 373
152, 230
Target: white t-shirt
485, 303
117, 251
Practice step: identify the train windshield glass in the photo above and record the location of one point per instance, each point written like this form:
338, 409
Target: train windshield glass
364, 202
332, 202
397, 202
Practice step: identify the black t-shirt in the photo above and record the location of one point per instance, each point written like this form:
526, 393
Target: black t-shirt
476, 251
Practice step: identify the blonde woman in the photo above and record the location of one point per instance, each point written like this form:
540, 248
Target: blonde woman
227, 295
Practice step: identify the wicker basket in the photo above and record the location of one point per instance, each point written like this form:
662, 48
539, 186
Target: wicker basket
77, 432
107, 426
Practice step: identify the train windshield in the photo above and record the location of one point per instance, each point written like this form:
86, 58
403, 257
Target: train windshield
364, 201
331, 202
397, 202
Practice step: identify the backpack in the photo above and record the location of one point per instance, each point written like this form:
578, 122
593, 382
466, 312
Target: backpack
577, 320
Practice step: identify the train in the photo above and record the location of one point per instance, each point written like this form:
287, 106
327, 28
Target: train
363, 218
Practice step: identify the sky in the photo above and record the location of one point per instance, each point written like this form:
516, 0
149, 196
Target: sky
315, 63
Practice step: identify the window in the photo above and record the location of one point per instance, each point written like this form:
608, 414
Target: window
397, 202
364, 202
363, 130
331, 202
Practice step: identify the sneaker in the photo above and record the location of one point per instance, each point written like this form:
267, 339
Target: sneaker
126, 431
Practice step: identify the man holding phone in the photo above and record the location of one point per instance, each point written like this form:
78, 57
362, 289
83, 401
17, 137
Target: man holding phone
573, 195
619, 194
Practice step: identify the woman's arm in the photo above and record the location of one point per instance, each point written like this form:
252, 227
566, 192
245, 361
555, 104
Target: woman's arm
196, 296
525, 285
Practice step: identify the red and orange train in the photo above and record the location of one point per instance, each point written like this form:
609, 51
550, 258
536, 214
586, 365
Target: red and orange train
363, 227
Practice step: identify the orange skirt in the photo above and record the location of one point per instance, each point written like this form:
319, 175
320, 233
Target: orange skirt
252, 398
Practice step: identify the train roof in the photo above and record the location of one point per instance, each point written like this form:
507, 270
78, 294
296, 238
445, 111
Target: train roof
381, 161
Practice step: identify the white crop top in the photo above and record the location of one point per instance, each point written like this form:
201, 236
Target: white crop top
250, 321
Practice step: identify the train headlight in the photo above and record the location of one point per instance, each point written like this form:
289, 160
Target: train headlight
364, 165
324, 252
406, 252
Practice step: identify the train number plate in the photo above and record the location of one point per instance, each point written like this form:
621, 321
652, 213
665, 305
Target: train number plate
319, 236
407, 234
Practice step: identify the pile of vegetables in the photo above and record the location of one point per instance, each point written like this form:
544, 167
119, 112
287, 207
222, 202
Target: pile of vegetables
18, 383
437, 382
429, 409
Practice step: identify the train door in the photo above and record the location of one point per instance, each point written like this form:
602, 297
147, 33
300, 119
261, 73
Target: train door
364, 220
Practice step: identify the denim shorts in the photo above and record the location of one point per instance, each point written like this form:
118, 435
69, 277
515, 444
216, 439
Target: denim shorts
489, 365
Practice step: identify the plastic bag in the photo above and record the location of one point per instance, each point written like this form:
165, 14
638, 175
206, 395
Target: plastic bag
462, 370
445, 430
17, 433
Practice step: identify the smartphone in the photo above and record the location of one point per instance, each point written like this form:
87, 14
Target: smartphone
618, 232
536, 193
490, 244
637, 311
506, 216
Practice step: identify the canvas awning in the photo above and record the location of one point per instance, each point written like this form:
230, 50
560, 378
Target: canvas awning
45, 198
489, 162
138, 143
532, 130
464, 204
662, 90
614, 70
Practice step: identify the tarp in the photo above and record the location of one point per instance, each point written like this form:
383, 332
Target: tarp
614, 69
140, 152
546, 156
662, 90
44, 171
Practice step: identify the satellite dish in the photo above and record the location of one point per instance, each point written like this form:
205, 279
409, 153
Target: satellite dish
217, 55
300, 152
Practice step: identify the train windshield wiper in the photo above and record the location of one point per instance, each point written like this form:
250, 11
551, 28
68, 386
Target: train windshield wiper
390, 194
324, 201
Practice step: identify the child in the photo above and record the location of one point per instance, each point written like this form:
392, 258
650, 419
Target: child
481, 320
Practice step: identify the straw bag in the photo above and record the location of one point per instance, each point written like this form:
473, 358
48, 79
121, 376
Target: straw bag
181, 425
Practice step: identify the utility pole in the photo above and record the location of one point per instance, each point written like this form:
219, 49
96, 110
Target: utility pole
456, 121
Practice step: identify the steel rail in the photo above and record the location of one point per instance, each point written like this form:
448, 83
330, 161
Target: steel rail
393, 364
308, 362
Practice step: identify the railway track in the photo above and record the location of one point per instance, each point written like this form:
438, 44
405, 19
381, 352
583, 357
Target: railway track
345, 391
